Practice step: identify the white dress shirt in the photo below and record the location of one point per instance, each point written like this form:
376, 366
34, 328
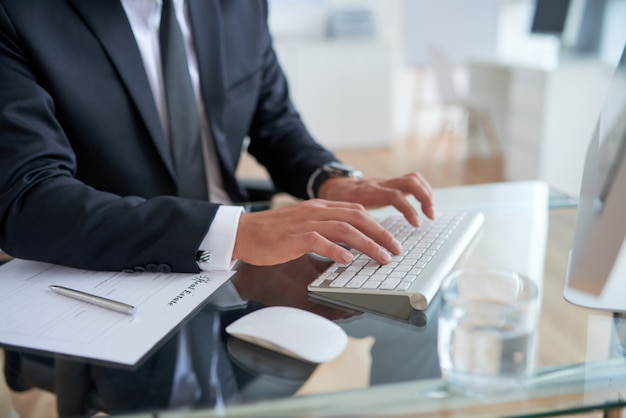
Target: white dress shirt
144, 17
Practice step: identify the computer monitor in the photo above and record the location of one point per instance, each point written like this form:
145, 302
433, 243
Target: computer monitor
550, 16
578, 24
596, 275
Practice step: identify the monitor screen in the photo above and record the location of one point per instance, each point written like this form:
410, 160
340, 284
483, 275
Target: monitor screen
597, 267
550, 16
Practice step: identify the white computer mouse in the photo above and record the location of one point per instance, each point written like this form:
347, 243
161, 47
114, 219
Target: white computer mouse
294, 332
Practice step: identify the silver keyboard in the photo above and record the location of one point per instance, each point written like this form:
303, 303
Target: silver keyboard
411, 280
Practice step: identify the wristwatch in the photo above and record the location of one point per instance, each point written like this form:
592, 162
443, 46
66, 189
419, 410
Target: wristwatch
331, 170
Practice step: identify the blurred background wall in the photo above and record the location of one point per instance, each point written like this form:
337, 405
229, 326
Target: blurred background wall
529, 76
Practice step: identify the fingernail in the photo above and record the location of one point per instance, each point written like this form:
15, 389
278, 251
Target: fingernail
384, 256
416, 219
346, 257
397, 247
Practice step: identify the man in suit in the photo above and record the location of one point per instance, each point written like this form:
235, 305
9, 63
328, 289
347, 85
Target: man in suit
87, 176
87, 173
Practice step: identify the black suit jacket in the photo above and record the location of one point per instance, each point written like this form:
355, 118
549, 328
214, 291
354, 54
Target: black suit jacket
86, 179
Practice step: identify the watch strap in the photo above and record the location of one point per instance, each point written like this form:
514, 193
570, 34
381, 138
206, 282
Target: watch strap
331, 170
314, 183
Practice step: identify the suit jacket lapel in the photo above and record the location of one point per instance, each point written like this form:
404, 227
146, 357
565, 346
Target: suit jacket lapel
108, 21
207, 30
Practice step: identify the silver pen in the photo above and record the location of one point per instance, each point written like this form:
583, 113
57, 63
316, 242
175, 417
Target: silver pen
94, 299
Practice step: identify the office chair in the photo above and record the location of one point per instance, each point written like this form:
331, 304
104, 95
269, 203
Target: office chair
260, 192
476, 117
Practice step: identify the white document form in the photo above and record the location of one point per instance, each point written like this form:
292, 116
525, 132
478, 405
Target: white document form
34, 317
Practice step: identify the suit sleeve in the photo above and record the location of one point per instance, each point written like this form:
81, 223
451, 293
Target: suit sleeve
48, 214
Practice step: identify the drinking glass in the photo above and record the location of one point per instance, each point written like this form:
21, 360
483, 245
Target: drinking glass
487, 326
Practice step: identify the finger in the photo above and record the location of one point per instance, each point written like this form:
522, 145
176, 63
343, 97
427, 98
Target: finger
393, 192
426, 201
318, 244
324, 216
415, 185
399, 201
370, 227
370, 245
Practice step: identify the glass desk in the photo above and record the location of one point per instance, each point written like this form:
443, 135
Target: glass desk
390, 366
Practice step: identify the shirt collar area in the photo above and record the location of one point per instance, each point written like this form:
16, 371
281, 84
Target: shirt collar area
148, 7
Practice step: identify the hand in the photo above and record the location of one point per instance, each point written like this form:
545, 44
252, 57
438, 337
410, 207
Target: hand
279, 235
374, 193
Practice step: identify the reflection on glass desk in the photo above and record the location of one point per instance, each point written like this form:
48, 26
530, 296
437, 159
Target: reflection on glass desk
390, 367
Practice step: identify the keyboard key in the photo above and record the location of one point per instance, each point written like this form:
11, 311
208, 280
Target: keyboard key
371, 284
390, 283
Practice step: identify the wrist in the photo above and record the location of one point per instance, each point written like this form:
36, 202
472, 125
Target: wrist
333, 170
331, 188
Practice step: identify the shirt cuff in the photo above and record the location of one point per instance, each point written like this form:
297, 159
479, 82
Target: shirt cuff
219, 242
